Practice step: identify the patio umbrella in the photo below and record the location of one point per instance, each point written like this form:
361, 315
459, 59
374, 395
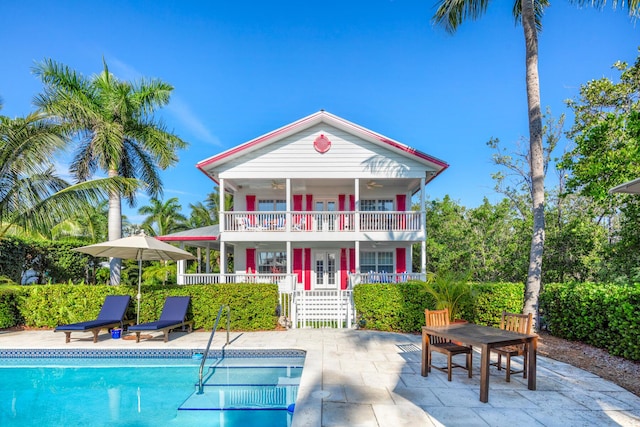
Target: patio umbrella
631, 187
139, 247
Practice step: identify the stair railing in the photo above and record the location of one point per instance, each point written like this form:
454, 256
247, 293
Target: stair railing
206, 352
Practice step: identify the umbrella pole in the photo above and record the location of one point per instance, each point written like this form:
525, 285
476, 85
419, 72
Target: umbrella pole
139, 285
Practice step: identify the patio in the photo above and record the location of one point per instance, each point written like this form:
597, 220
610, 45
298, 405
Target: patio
369, 378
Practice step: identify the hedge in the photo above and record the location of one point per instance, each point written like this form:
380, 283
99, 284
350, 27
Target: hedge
253, 306
400, 307
392, 307
602, 315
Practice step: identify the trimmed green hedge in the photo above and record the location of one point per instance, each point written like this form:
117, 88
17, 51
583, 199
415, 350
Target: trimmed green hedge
489, 299
9, 311
253, 306
603, 315
392, 307
400, 307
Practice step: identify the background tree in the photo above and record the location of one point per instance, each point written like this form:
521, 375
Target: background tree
606, 153
450, 14
163, 217
606, 133
116, 131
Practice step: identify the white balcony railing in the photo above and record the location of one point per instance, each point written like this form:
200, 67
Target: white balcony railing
323, 221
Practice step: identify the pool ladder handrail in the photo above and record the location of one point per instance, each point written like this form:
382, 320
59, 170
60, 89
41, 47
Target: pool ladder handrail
206, 352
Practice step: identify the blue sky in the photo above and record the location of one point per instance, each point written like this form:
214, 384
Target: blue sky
243, 68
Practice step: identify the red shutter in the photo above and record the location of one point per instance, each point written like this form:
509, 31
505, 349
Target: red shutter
251, 260
343, 269
401, 260
401, 205
352, 215
309, 209
307, 269
341, 198
251, 206
297, 263
251, 202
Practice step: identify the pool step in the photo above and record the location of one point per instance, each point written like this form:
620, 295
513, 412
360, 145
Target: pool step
264, 396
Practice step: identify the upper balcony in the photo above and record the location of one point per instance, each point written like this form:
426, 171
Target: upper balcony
328, 223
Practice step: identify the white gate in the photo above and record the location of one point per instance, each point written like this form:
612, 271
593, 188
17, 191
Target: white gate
323, 309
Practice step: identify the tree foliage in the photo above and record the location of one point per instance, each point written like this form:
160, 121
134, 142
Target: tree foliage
606, 133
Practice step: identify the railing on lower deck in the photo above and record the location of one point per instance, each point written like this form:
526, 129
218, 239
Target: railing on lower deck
317, 221
383, 277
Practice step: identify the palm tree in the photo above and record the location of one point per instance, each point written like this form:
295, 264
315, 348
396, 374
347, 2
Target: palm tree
450, 14
163, 218
113, 123
89, 223
200, 216
32, 196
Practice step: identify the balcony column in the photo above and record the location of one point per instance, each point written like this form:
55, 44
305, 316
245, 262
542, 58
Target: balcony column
288, 218
423, 209
356, 215
221, 212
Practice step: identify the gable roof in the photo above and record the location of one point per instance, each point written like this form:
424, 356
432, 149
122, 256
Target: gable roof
320, 117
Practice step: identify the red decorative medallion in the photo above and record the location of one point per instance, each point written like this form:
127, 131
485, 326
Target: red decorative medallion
322, 144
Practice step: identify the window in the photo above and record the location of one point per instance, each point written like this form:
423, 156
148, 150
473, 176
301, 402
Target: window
272, 205
376, 261
272, 262
376, 205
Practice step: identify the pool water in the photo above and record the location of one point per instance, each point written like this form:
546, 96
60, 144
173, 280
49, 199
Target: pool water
238, 391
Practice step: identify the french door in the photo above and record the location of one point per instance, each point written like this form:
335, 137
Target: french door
325, 270
325, 214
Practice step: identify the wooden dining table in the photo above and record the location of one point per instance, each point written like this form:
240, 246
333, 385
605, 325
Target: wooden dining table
485, 337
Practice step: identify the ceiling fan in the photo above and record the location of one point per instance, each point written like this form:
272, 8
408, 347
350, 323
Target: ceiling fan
275, 185
371, 184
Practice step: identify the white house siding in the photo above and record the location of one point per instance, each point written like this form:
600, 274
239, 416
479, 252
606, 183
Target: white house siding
348, 157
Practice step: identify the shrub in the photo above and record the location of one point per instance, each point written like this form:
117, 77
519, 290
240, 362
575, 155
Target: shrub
489, 299
253, 306
392, 307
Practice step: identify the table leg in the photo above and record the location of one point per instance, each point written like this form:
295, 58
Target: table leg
485, 357
425, 353
531, 361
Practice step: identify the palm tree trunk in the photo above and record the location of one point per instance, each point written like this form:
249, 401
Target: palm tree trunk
532, 289
115, 230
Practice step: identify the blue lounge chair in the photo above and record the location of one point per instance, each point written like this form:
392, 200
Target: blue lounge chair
174, 314
111, 315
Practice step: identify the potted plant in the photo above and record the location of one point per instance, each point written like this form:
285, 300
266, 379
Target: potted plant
450, 289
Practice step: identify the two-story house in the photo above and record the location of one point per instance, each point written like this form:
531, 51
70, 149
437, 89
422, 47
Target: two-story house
319, 205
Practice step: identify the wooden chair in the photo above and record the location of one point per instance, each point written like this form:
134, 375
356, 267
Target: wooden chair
444, 346
517, 323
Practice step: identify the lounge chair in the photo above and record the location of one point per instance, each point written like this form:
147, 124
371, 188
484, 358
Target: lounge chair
173, 316
111, 315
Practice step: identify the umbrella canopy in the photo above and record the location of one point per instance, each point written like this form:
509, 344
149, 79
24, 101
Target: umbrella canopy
140, 247
631, 187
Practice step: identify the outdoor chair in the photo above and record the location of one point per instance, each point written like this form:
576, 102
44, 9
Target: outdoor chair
112, 314
444, 346
173, 316
514, 322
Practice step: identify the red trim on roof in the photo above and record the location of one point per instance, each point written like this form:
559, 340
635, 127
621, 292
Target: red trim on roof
287, 128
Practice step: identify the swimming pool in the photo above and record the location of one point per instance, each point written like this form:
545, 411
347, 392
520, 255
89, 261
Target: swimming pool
147, 387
